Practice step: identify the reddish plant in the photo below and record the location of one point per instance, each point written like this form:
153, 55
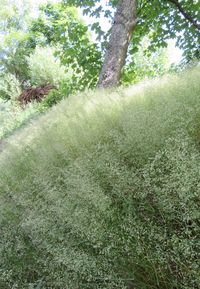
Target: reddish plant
35, 94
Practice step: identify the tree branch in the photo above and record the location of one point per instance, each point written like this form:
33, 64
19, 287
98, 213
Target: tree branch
185, 14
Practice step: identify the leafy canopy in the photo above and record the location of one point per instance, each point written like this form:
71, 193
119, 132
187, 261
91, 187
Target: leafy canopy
160, 19
60, 25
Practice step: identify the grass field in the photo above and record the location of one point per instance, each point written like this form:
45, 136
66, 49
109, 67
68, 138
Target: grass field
12, 117
103, 191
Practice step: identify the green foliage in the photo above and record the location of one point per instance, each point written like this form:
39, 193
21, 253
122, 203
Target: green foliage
16, 42
10, 87
45, 68
13, 14
13, 117
61, 26
103, 191
161, 18
143, 65
166, 22
64, 89
14, 56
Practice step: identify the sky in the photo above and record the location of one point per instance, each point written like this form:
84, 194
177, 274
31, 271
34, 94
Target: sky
174, 53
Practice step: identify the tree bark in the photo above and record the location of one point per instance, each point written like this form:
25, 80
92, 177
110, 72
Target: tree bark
115, 56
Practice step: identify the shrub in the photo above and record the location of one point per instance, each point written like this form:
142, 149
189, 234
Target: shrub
9, 87
103, 192
56, 95
45, 68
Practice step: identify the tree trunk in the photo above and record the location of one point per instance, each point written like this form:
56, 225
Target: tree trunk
122, 29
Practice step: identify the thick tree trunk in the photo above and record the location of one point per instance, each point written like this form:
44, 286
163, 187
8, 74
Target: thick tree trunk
123, 26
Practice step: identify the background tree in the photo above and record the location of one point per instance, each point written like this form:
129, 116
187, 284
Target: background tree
57, 27
61, 26
142, 65
16, 41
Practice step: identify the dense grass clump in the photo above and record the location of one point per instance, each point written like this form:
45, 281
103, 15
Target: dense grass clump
103, 192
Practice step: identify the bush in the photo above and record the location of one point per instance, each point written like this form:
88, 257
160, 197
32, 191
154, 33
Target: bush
45, 68
10, 87
103, 192
56, 95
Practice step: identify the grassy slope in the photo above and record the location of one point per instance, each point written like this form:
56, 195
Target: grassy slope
103, 192
12, 117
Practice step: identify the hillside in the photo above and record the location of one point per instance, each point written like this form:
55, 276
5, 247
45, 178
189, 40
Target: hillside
103, 191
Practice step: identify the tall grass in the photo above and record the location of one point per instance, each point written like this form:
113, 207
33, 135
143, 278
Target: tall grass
12, 116
103, 191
